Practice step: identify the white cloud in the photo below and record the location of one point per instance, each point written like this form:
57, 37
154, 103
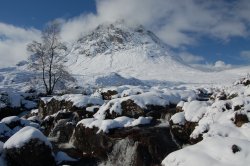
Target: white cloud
245, 54
221, 65
217, 66
190, 58
178, 23
13, 41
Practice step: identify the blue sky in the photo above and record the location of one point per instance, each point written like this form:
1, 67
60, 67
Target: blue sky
36, 13
199, 31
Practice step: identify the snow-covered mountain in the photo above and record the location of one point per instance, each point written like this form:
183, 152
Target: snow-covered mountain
117, 54
133, 52
128, 51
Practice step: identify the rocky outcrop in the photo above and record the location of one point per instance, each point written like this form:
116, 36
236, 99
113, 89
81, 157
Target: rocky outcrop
245, 81
149, 144
240, 119
108, 95
182, 132
53, 106
131, 109
71, 103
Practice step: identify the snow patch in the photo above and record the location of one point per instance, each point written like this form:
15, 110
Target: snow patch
120, 122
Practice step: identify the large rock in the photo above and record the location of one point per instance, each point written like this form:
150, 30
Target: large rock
53, 106
108, 95
29, 147
53, 123
148, 144
71, 103
182, 129
131, 109
240, 119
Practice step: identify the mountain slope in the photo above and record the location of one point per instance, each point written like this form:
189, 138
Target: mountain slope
133, 52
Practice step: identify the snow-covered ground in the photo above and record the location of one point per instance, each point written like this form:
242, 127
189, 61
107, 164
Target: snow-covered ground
223, 124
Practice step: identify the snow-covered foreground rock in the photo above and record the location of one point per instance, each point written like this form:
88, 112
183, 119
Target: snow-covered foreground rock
221, 124
94, 127
28, 146
217, 151
138, 125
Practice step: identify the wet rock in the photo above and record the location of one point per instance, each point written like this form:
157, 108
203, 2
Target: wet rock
245, 81
240, 119
179, 109
53, 106
130, 109
47, 125
183, 131
150, 144
221, 96
53, 124
108, 95
238, 107
232, 96
62, 131
236, 149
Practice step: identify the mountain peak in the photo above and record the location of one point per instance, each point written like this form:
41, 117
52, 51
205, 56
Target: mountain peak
107, 38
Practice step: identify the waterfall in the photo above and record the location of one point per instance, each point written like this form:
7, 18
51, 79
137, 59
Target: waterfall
123, 154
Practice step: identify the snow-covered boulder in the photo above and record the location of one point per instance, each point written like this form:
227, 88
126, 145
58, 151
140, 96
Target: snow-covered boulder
219, 151
109, 124
69, 102
28, 147
12, 121
155, 103
108, 94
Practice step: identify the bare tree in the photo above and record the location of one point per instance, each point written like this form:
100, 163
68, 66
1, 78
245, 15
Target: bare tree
48, 56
